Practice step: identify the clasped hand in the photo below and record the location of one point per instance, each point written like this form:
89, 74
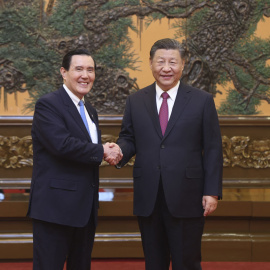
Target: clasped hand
112, 153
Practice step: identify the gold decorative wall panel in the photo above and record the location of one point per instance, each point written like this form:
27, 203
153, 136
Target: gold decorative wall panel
16, 152
240, 151
244, 152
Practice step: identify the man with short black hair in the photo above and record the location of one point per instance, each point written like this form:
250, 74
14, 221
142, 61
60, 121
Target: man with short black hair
67, 153
174, 131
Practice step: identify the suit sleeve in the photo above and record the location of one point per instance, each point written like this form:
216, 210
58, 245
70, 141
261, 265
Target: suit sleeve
51, 129
126, 139
213, 157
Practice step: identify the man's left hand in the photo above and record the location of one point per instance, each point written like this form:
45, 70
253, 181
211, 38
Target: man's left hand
209, 204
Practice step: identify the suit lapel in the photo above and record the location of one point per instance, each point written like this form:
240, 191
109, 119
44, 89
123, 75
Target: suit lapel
182, 98
150, 102
91, 113
89, 109
73, 111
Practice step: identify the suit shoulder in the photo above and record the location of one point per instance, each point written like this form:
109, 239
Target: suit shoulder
142, 91
197, 91
52, 96
49, 95
51, 101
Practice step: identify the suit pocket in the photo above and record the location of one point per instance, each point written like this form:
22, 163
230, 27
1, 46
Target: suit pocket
63, 184
194, 172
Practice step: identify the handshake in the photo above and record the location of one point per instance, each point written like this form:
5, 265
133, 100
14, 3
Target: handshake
112, 153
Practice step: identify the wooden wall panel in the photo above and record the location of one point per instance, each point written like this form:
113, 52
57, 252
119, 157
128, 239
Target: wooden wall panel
239, 230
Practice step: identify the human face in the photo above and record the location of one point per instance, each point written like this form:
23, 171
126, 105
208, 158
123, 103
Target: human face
81, 75
167, 67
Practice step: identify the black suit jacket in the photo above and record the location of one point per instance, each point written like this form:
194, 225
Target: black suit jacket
65, 181
188, 158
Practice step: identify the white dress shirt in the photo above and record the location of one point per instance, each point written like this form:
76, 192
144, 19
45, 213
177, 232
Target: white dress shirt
172, 93
91, 124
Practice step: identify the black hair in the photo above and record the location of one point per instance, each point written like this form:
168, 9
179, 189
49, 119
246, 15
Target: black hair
67, 58
167, 44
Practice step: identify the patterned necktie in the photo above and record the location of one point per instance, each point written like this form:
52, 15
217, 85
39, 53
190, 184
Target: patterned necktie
83, 115
164, 113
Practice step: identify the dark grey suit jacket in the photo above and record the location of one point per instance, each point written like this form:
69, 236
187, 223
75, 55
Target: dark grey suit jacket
188, 158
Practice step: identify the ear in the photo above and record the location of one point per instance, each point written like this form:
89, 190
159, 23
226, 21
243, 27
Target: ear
150, 63
63, 72
183, 65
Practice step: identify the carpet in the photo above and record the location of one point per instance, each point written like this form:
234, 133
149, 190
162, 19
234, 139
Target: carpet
137, 264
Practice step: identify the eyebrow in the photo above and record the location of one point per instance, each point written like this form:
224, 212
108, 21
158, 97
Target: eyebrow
161, 57
83, 67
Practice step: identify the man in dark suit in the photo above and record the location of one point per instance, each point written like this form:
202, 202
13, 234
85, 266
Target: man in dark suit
174, 131
67, 154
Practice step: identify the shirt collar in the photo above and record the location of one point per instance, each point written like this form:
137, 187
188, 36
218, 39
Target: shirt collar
172, 92
73, 97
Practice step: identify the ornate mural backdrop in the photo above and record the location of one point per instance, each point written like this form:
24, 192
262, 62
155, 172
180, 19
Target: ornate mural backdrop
218, 35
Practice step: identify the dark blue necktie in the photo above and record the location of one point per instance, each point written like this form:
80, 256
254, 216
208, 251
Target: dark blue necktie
83, 116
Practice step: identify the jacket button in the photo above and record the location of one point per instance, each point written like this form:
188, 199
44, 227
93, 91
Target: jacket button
162, 146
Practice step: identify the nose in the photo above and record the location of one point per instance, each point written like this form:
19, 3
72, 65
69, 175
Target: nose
166, 67
84, 73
